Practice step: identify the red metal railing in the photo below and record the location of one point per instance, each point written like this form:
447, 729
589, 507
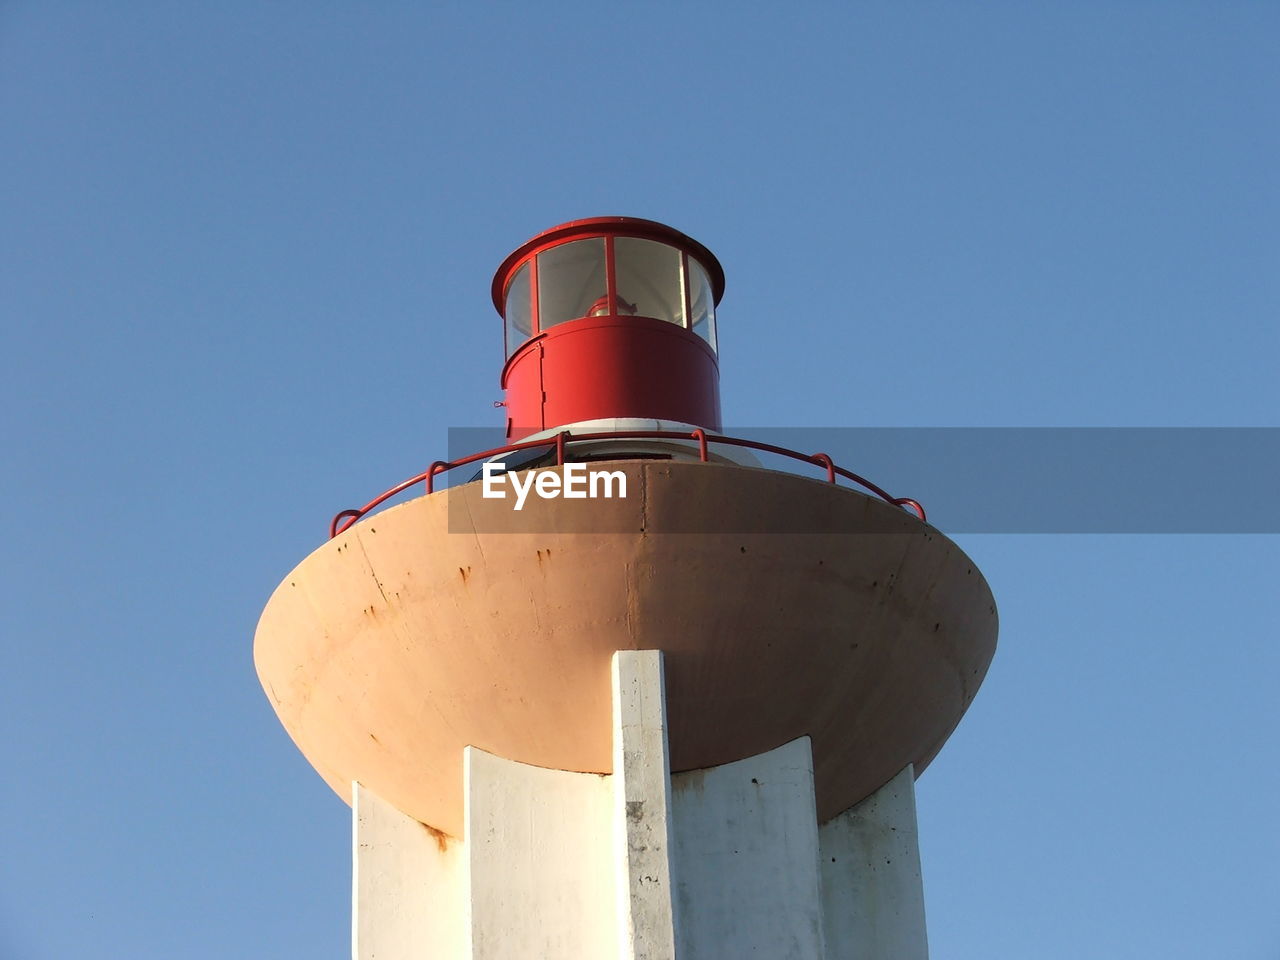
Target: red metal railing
344, 520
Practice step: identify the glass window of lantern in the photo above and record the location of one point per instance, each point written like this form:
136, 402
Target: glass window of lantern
518, 310
571, 282
702, 303
648, 277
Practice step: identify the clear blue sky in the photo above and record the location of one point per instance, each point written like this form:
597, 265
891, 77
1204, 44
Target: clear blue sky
245, 252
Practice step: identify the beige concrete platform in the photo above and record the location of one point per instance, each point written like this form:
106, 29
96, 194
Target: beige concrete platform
392, 647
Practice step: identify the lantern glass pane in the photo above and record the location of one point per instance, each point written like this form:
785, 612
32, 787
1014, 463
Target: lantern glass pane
702, 303
571, 281
649, 280
518, 310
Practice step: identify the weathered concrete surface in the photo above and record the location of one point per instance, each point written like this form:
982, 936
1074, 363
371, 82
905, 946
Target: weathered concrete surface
642, 808
539, 844
555, 864
872, 892
408, 886
397, 644
746, 858
642, 865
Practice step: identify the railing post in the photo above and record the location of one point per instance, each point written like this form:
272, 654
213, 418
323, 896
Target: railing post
560, 447
824, 460
338, 518
438, 467
701, 436
915, 505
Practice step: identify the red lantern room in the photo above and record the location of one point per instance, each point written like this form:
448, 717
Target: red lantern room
611, 318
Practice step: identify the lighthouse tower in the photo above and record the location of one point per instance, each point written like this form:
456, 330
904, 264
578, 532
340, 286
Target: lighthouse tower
675, 713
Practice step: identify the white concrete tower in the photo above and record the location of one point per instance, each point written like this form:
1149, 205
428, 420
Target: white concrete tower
680, 721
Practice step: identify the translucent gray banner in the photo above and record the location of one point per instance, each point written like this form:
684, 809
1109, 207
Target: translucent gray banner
1028, 480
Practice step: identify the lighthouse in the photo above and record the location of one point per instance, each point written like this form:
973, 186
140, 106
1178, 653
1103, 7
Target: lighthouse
669, 703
